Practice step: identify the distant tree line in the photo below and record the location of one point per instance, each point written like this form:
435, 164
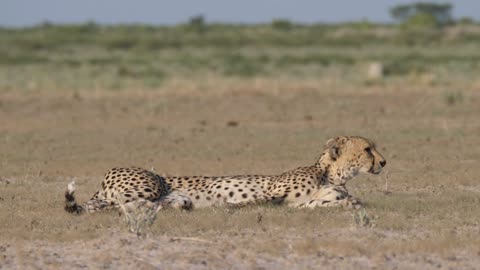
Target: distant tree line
418, 14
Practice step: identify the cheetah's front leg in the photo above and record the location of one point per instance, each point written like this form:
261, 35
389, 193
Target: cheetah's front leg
332, 196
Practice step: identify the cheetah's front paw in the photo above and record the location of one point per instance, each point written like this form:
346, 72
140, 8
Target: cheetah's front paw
352, 203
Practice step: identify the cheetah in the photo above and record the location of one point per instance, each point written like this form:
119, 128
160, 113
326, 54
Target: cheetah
320, 185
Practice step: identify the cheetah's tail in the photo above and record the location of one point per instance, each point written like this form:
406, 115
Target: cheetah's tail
71, 205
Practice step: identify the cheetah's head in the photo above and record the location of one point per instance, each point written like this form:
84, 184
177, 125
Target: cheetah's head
350, 155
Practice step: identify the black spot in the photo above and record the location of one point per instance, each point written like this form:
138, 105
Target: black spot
147, 190
128, 195
208, 198
325, 202
141, 195
244, 195
197, 197
230, 194
308, 191
240, 190
219, 195
298, 194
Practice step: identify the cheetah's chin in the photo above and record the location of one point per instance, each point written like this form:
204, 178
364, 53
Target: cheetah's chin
373, 171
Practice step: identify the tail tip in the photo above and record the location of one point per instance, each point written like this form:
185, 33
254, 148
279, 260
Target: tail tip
71, 187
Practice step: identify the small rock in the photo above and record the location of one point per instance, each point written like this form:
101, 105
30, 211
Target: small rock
375, 71
232, 123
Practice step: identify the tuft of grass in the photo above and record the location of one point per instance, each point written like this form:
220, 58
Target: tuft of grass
139, 216
361, 218
453, 98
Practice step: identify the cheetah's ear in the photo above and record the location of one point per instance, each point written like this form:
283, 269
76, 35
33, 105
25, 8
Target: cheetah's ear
333, 148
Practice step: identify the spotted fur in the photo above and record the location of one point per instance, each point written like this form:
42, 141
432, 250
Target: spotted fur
319, 185
123, 185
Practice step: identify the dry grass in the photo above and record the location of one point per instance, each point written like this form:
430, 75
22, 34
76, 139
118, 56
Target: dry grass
424, 206
139, 216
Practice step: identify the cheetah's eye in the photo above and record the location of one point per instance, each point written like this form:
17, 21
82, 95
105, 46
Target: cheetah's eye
368, 150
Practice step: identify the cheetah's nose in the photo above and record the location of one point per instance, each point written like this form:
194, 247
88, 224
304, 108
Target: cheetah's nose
383, 163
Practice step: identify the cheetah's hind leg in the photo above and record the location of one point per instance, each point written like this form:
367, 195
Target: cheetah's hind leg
176, 200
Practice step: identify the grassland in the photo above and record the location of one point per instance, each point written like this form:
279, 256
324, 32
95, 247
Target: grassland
73, 109
90, 56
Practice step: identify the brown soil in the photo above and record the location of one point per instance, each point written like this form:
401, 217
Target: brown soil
423, 207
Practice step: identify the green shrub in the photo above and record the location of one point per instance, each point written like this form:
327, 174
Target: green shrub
239, 65
282, 24
197, 24
22, 59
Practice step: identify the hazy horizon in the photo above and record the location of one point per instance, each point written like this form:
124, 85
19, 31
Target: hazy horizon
22, 13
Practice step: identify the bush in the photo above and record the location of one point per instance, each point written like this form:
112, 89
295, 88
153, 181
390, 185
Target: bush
197, 24
239, 65
282, 24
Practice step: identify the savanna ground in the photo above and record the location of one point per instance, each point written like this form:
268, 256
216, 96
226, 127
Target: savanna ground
76, 110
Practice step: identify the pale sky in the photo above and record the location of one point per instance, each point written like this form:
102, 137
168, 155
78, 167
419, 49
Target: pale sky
25, 13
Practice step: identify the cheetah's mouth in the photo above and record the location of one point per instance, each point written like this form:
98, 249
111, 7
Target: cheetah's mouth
372, 168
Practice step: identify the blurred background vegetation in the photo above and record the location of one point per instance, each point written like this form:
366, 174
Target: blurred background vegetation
425, 40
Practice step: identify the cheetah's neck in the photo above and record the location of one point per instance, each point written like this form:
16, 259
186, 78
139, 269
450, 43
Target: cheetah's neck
322, 168
330, 173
